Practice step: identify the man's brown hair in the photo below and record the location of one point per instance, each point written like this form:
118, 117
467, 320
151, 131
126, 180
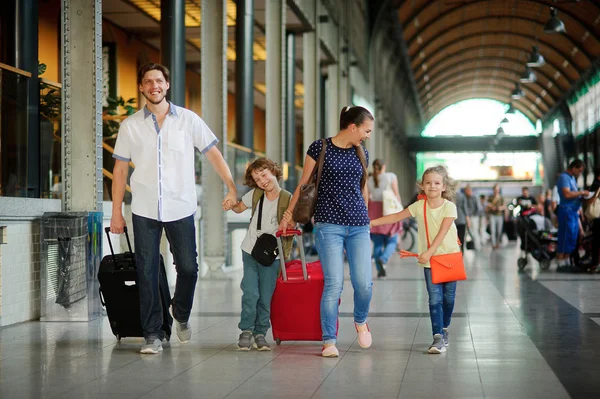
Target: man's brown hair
259, 164
153, 67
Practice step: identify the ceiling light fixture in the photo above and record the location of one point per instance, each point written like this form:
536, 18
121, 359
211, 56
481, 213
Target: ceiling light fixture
554, 24
528, 76
517, 92
510, 109
535, 59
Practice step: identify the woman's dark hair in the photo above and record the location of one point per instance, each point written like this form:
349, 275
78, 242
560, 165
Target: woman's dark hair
576, 164
378, 164
356, 115
152, 67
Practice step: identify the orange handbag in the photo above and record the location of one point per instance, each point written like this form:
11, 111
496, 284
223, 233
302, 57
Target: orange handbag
444, 268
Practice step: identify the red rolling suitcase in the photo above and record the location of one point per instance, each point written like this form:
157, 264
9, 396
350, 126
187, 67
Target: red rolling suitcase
296, 303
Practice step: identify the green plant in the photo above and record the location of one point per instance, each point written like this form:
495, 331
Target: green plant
50, 101
117, 107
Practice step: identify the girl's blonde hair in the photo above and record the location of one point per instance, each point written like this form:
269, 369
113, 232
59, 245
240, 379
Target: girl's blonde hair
451, 184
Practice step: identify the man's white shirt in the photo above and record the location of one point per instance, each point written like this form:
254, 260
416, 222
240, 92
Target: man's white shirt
163, 183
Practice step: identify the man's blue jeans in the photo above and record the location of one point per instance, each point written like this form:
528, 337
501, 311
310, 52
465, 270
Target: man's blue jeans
441, 302
258, 285
383, 248
331, 241
182, 239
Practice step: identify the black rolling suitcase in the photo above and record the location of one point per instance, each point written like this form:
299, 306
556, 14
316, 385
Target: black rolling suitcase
119, 293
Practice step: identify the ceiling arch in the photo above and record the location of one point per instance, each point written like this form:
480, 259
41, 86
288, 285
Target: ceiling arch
468, 47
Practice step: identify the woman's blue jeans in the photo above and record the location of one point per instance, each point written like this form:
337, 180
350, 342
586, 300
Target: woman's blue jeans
441, 302
384, 247
182, 239
331, 241
258, 285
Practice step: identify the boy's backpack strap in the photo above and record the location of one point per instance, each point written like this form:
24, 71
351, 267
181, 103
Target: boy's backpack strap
283, 203
255, 198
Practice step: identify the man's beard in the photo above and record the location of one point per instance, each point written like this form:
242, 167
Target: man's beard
154, 102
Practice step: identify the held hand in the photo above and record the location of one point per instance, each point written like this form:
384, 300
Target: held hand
424, 257
229, 201
283, 226
117, 224
585, 193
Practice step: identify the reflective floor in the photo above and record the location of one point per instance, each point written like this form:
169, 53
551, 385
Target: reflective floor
529, 335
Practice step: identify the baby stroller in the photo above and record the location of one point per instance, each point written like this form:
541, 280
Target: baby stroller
537, 239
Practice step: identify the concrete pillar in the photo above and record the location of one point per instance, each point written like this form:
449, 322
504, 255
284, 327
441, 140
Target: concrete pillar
333, 106
312, 76
244, 73
172, 46
82, 105
213, 224
290, 110
275, 70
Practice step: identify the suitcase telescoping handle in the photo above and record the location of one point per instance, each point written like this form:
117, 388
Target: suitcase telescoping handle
112, 251
298, 235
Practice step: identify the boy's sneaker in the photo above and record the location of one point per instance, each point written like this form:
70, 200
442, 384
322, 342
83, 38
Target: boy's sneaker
437, 346
245, 341
260, 343
445, 337
152, 346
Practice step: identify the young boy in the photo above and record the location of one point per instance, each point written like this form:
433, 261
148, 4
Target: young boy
259, 281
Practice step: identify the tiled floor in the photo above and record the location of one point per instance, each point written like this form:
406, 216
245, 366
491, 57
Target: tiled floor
528, 335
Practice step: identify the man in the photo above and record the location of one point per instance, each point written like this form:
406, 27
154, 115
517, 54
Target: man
525, 201
461, 218
160, 140
567, 212
595, 222
473, 211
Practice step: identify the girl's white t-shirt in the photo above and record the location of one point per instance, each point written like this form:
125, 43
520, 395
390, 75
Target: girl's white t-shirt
269, 222
434, 222
385, 179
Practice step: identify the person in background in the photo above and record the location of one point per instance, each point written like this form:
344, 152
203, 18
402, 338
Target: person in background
595, 222
483, 219
473, 209
385, 238
568, 214
461, 219
496, 210
526, 201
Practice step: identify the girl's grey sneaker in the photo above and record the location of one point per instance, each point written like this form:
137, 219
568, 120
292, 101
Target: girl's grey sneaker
245, 341
152, 346
445, 337
260, 343
438, 345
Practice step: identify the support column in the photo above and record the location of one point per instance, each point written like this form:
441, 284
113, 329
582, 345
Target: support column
290, 117
275, 98
172, 46
27, 60
344, 82
311, 77
213, 230
82, 105
333, 109
244, 73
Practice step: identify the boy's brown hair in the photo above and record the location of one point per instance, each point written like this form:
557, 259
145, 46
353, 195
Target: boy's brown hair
259, 164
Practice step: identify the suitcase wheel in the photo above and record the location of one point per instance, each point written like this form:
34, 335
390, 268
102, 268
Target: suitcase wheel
277, 341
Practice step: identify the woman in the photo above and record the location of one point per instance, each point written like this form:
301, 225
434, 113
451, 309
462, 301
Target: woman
496, 210
385, 238
342, 222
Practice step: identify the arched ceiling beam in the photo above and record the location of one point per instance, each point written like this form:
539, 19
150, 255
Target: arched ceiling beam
558, 6
481, 34
469, 85
462, 55
490, 78
516, 44
543, 79
474, 70
501, 96
463, 24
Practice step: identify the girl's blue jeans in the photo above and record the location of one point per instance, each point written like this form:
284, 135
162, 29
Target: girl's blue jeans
331, 241
441, 302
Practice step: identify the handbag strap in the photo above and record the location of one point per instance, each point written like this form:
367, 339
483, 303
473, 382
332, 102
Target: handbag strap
320, 164
260, 206
426, 227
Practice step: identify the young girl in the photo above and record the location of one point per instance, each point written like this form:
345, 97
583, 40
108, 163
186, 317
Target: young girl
258, 282
439, 190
